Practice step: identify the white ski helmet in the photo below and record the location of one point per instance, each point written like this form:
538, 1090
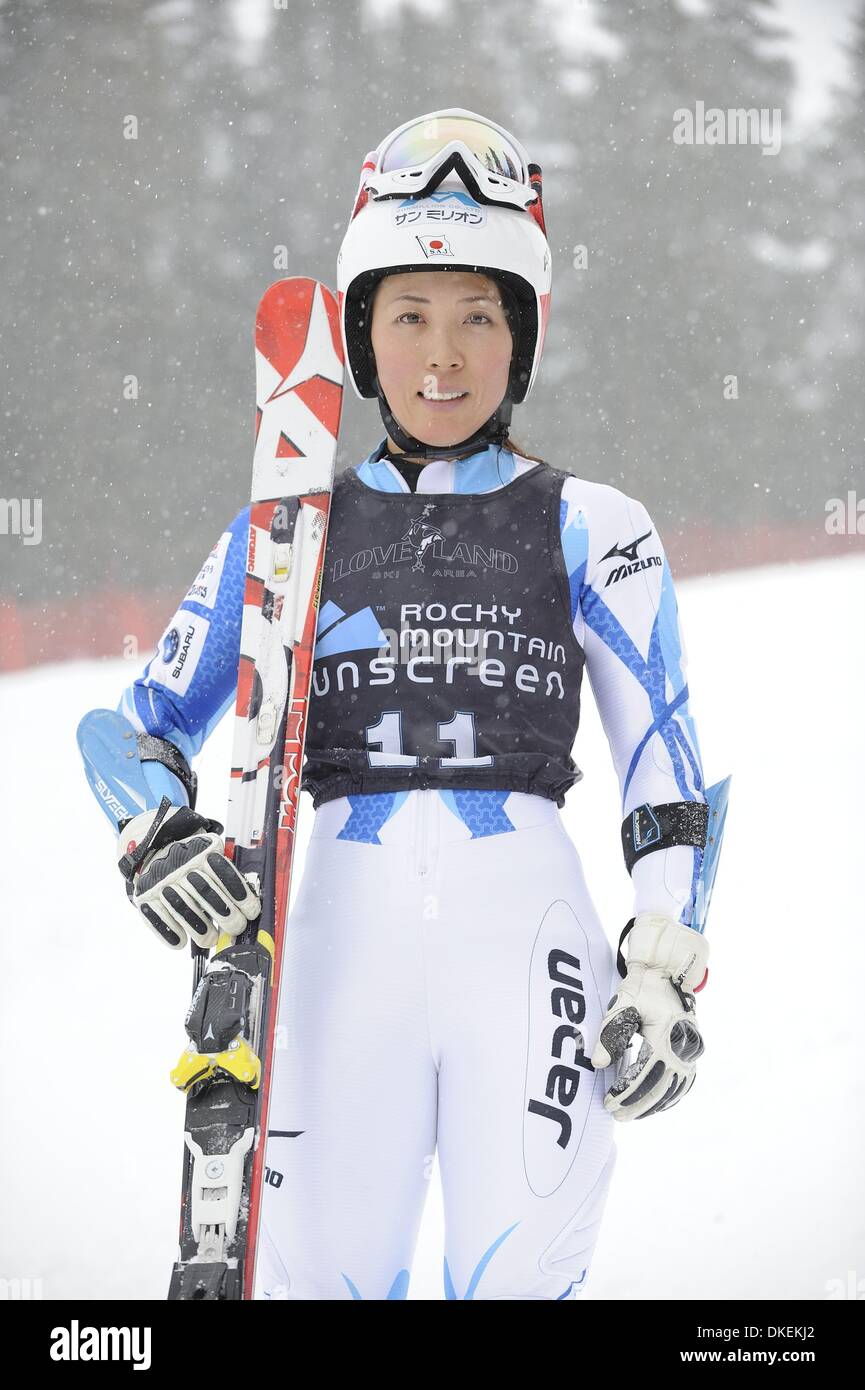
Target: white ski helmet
448, 191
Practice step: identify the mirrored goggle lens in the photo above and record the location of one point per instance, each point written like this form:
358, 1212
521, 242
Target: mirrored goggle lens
419, 143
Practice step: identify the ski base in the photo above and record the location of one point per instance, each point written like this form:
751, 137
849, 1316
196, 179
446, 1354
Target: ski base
206, 1283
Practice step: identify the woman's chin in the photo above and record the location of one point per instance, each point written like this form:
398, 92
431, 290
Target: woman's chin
442, 432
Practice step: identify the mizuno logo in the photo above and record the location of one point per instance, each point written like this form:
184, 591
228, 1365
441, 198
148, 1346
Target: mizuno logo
633, 563
627, 552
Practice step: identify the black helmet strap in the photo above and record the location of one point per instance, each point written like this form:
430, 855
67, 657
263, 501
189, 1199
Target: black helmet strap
493, 431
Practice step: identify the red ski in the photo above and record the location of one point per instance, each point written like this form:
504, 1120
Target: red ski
226, 1068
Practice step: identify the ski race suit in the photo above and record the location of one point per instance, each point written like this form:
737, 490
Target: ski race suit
445, 971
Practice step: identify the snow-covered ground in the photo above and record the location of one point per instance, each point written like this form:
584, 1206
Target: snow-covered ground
751, 1188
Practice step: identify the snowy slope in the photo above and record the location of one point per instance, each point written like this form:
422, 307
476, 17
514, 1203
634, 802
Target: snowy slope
751, 1188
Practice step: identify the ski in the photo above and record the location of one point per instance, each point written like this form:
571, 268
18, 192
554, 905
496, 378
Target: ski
225, 1070
717, 797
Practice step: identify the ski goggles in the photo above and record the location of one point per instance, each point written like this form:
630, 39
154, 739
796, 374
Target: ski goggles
415, 158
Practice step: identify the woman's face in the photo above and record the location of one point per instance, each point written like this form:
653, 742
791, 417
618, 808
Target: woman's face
435, 333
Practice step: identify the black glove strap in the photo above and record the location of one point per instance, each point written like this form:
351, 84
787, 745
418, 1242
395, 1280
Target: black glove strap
183, 823
130, 862
159, 750
648, 828
621, 963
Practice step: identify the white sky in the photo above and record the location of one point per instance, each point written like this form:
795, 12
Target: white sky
820, 35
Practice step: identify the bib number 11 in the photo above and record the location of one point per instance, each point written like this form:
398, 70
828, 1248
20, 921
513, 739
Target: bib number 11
384, 741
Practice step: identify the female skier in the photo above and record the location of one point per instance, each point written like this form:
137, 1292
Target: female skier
447, 982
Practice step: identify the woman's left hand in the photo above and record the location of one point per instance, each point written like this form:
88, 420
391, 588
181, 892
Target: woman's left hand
666, 964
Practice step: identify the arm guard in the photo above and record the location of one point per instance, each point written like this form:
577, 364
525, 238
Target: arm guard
130, 772
694, 823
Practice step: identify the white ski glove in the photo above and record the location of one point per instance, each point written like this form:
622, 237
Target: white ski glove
178, 877
666, 963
